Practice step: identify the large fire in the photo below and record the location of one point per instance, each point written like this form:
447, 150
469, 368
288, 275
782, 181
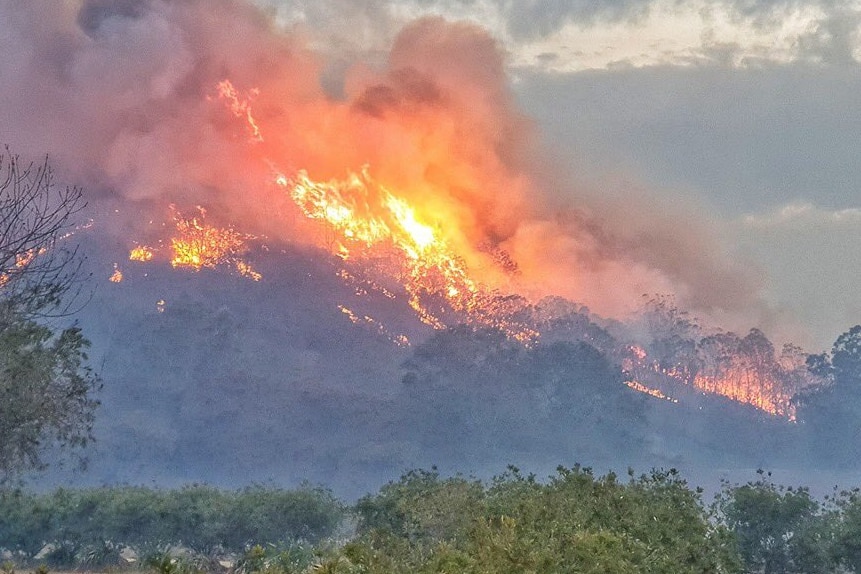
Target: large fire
366, 219
364, 214
367, 215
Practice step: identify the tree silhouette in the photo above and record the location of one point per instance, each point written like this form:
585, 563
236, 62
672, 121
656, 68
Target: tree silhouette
846, 358
45, 383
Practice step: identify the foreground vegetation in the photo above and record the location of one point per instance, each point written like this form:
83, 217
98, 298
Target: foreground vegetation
424, 523
91, 527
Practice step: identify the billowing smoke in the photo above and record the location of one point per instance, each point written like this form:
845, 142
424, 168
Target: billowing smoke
124, 97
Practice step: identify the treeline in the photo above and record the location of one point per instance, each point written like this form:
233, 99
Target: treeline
581, 523
784, 530
575, 521
92, 526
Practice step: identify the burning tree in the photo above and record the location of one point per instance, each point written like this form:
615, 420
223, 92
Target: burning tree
45, 382
746, 369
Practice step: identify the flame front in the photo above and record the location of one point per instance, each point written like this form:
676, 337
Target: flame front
658, 394
198, 245
365, 215
741, 369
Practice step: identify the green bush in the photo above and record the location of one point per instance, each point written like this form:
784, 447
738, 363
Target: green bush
91, 526
575, 522
424, 523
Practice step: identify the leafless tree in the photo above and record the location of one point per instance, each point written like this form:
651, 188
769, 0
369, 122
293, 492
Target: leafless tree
39, 274
45, 382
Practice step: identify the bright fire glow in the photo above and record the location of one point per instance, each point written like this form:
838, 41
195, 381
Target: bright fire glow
24, 259
141, 253
743, 383
245, 270
399, 340
367, 215
638, 386
116, 276
749, 378
197, 245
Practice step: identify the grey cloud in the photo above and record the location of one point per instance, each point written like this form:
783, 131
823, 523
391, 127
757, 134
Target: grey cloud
731, 142
741, 139
834, 40
94, 13
529, 20
526, 20
343, 25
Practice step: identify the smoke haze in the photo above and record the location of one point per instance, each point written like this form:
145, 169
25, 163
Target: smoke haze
123, 97
321, 370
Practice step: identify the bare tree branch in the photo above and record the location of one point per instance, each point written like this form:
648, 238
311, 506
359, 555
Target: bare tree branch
39, 274
45, 382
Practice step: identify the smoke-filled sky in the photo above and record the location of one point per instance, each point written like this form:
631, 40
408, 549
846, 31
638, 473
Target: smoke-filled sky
611, 149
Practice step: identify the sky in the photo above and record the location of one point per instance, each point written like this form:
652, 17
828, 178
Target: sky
706, 148
593, 150
744, 111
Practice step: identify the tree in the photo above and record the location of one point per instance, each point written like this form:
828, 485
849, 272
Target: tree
46, 384
778, 530
574, 522
846, 358
833, 408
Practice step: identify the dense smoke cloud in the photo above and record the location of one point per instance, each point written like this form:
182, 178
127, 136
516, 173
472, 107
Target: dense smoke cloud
123, 96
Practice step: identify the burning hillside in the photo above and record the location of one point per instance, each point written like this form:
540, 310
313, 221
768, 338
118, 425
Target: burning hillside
386, 239
417, 170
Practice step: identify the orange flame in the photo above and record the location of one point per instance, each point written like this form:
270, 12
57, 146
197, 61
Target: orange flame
640, 387
22, 260
745, 383
241, 107
245, 270
141, 253
198, 245
757, 379
367, 215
